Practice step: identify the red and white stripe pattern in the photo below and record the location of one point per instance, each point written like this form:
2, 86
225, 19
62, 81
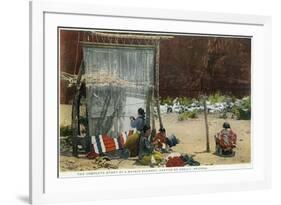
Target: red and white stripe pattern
105, 143
94, 144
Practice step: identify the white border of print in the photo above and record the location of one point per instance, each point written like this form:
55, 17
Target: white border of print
45, 186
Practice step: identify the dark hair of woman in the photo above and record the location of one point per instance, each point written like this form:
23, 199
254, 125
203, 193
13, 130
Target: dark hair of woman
226, 125
141, 112
146, 127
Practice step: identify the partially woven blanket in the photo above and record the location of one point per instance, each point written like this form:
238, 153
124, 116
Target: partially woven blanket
104, 143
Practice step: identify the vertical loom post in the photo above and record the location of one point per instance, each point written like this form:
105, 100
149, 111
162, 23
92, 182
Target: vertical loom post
148, 104
157, 81
75, 112
152, 108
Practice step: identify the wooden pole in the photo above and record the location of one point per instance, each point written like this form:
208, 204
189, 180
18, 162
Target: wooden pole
88, 142
133, 36
152, 111
157, 62
106, 45
148, 106
206, 125
75, 112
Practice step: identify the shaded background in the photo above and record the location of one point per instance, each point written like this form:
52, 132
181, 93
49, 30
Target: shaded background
189, 65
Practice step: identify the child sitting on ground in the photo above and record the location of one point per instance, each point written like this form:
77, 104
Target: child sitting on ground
160, 140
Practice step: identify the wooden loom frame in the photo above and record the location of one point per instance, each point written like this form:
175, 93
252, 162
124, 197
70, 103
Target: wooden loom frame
154, 98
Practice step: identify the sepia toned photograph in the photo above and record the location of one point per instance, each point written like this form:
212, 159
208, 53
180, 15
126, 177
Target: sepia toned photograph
142, 100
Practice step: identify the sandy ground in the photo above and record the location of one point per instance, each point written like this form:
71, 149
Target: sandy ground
193, 138
192, 134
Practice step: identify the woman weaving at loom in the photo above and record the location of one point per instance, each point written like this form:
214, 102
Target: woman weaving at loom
139, 122
139, 144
